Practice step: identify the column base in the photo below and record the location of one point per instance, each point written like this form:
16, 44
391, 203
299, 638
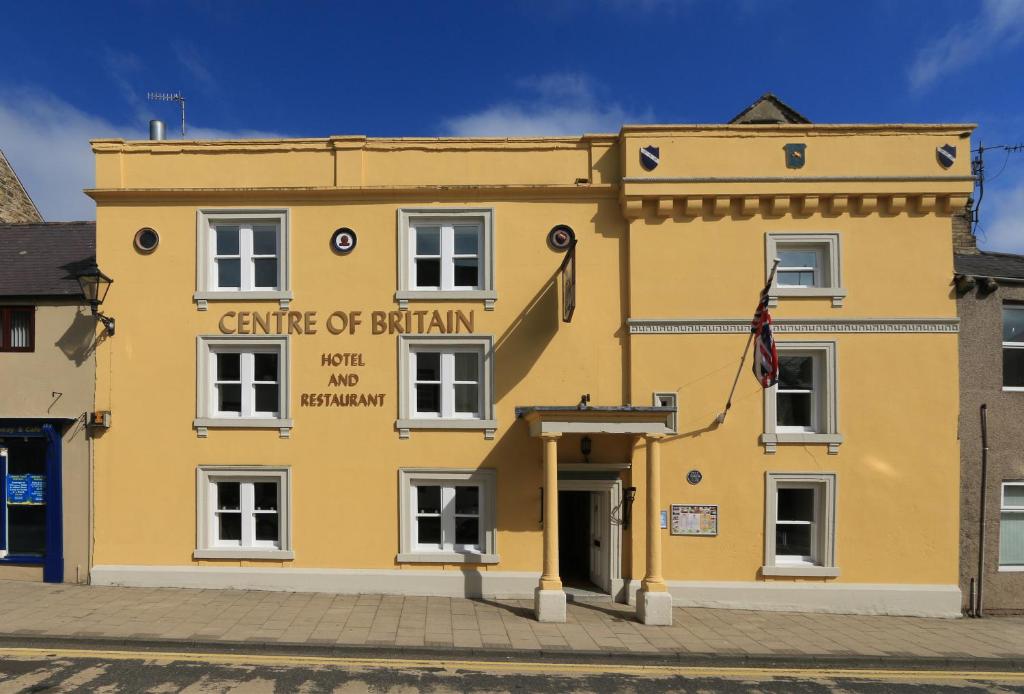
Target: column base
549, 605
654, 609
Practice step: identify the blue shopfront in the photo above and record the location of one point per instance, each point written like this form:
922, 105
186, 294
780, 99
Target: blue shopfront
31, 511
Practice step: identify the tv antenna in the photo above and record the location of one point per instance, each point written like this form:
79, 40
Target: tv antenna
168, 96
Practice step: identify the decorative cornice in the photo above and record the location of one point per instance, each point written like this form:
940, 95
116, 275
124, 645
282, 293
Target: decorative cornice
711, 204
714, 326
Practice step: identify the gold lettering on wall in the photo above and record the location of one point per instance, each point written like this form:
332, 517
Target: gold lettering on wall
341, 322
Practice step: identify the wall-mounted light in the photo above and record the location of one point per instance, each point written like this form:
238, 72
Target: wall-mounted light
586, 445
628, 496
95, 286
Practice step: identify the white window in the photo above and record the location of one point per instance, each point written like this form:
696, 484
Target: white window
445, 382
1011, 527
446, 255
242, 381
242, 254
447, 516
800, 524
1013, 347
809, 266
803, 407
243, 513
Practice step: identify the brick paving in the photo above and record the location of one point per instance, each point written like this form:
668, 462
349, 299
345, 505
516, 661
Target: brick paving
36, 610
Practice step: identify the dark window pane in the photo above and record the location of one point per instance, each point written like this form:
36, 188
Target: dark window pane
229, 273
229, 397
796, 373
467, 531
467, 240
265, 496
428, 499
26, 530
267, 399
1013, 324
227, 240
467, 398
229, 366
428, 241
230, 526
467, 366
796, 279
467, 500
1013, 368
428, 272
796, 504
793, 539
428, 397
429, 530
793, 409
265, 272
466, 272
228, 496
264, 240
428, 366
264, 366
797, 259
266, 526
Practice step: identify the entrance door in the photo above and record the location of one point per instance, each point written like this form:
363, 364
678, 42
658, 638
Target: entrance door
598, 541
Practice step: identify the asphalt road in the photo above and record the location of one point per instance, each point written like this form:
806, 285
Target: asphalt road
70, 670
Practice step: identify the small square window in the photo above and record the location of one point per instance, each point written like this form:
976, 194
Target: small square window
809, 266
243, 513
803, 406
17, 329
800, 524
447, 516
1011, 527
242, 254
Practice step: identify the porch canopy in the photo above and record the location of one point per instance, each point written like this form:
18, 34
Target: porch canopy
549, 422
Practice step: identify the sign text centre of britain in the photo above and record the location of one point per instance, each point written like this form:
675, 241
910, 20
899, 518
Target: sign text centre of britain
342, 322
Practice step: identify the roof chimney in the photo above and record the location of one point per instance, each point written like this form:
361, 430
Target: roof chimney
156, 130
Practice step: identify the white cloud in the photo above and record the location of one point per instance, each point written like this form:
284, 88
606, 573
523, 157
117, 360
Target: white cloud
999, 24
47, 142
1001, 226
555, 104
189, 57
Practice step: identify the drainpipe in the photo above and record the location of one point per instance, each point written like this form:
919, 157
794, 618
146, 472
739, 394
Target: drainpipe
978, 609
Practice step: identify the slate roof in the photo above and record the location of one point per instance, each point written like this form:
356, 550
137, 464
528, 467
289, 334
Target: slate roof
986, 264
768, 109
45, 259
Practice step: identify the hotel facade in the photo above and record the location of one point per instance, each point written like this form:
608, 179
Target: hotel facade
496, 367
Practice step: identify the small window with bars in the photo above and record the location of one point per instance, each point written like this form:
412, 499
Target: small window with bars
18, 329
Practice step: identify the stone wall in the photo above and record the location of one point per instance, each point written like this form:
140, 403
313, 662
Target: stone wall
963, 240
15, 204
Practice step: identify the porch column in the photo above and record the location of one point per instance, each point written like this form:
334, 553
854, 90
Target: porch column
654, 603
549, 598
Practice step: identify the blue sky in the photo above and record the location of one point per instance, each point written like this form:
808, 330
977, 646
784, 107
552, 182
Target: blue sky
76, 70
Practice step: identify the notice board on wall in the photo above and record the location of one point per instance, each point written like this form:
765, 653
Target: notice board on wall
695, 519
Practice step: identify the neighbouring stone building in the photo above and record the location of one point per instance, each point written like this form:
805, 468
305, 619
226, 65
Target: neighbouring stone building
15, 203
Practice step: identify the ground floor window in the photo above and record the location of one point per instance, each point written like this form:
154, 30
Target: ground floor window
243, 512
447, 516
1011, 527
23, 508
800, 525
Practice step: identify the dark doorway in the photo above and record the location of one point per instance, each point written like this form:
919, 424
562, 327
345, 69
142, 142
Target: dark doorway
574, 538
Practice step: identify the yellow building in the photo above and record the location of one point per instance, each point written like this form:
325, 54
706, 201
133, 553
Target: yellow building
360, 364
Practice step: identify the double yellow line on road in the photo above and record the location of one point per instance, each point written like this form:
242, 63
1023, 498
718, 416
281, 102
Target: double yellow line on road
515, 666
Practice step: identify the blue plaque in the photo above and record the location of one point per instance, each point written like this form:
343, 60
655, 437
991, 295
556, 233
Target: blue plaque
694, 477
26, 489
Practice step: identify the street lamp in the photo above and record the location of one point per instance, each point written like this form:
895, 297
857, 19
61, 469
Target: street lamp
95, 286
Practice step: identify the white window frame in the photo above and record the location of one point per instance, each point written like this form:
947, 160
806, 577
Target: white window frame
207, 416
408, 218
1006, 508
1007, 344
206, 288
411, 552
826, 404
829, 278
668, 398
207, 546
823, 562
409, 419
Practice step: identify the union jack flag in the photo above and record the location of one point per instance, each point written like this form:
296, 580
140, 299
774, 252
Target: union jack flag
766, 357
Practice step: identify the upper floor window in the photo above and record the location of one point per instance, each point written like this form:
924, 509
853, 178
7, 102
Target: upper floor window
242, 254
803, 407
809, 266
17, 329
1013, 347
446, 255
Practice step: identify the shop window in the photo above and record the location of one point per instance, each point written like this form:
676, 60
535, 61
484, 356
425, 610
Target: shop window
445, 382
242, 255
1013, 347
803, 407
17, 329
800, 525
809, 266
23, 498
446, 255
243, 513
242, 381
447, 516
1011, 527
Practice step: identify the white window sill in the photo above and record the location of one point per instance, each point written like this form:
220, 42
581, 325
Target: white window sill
488, 296
445, 558
1013, 389
1012, 569
202, 424
488, 426
837, 294
770, 441
244, 553
282, 297
797, 570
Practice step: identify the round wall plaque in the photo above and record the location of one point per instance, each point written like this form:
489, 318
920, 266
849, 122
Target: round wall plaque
694, 477
561, 237
146, 240
343, 241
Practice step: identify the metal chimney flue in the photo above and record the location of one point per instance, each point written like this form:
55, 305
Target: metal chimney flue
156, 130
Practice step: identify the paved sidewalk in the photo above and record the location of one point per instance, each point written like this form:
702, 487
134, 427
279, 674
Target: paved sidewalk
256, 618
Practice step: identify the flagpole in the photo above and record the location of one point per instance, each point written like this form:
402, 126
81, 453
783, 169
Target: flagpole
720, 419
